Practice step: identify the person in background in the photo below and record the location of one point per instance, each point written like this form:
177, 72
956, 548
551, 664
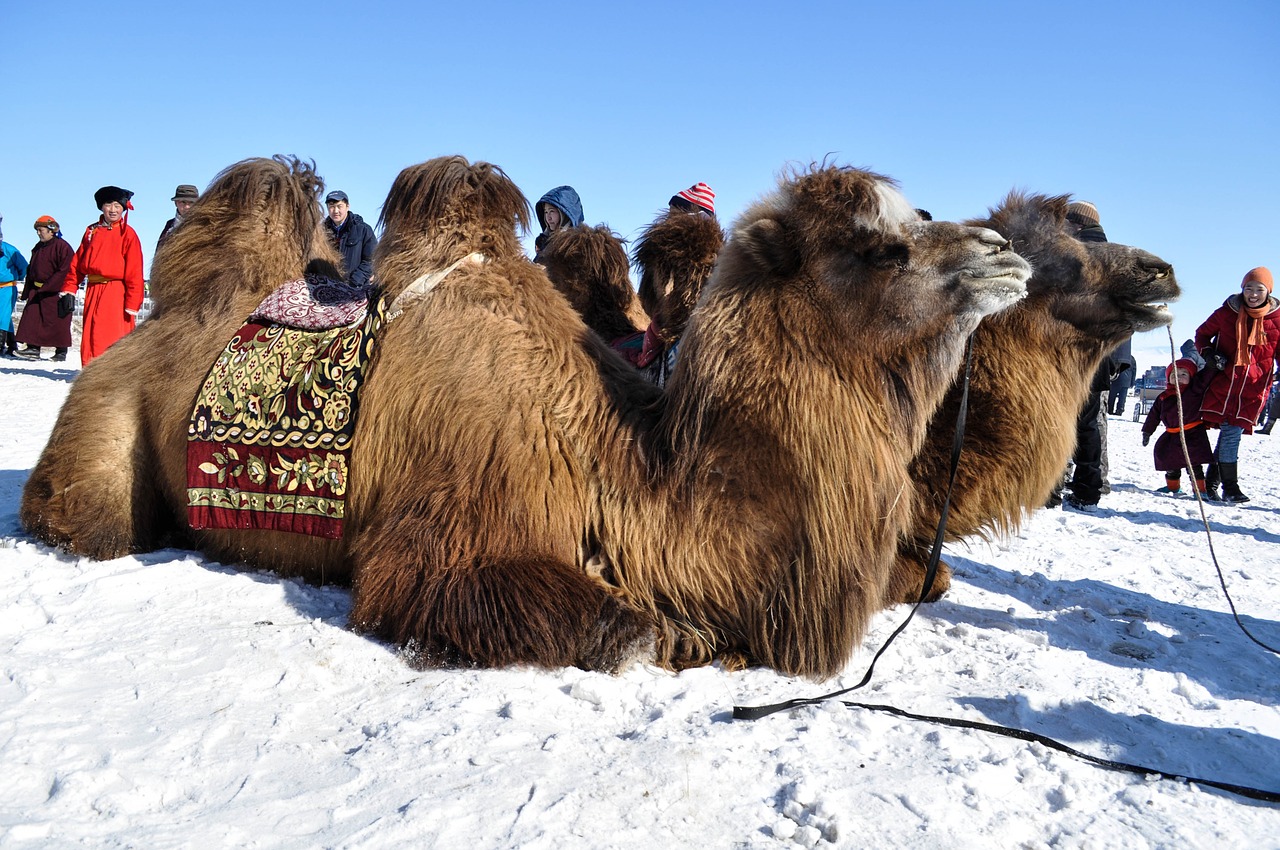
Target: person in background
675, 255
352, 237
1273, 410
1088, 479
1168, 454
559, 207
699, 199
1188, 350
46, 320
183, 197
13, 268
1240, 341
1118, 392
109, 263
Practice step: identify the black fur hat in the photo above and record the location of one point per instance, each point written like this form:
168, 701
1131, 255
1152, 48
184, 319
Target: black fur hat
112, 193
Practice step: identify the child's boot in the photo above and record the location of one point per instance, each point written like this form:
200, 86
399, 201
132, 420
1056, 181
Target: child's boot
1172, 483
1201, 487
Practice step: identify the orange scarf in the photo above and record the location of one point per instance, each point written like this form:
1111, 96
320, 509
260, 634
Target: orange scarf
1249, 329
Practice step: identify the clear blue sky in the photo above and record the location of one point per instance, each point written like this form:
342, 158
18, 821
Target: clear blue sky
1164, 114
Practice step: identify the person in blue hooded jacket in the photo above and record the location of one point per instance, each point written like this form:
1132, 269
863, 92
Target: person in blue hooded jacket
560, 207
13, 268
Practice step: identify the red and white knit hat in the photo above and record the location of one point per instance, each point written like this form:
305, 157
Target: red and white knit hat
699, 194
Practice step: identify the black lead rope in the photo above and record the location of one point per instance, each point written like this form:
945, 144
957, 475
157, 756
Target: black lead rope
1242, 790
744, 712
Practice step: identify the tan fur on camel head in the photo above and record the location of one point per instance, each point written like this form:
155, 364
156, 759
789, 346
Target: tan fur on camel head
257, 225
444, 209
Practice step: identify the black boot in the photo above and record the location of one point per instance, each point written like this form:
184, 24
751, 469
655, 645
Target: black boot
1230, 487
59, 355
10, 344
1212, 479
1266, 429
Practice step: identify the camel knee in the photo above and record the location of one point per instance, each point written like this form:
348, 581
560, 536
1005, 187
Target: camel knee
537, 613
101, 510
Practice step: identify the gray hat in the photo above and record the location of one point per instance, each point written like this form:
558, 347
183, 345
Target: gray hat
186, 192
335, 196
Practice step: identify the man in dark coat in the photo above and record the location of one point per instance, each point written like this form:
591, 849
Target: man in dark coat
1087, 482
1118, 393
183, 197
352, 237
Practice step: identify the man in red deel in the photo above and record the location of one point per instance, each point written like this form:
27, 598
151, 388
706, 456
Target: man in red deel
109, 260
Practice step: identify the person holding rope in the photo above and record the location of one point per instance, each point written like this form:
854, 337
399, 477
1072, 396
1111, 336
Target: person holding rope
1240, 341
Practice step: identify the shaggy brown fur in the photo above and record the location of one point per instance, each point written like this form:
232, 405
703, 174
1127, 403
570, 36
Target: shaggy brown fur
1032, 365
520, 495
112, 478
675, 256
589, 266
755, 520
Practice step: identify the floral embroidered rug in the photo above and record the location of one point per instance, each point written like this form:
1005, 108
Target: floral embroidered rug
269, 440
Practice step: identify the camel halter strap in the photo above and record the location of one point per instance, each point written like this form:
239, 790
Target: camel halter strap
424, 285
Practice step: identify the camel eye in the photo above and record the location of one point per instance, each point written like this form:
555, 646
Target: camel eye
895, 254
1161, 275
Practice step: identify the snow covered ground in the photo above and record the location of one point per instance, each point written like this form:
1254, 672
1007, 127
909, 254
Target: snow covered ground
166, 700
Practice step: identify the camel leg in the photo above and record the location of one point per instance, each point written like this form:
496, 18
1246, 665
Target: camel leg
91, 492
906, 578
495, 613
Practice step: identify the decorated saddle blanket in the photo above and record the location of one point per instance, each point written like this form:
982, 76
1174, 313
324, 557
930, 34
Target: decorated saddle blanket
269, 439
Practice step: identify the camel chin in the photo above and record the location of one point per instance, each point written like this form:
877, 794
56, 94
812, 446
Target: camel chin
1000, 291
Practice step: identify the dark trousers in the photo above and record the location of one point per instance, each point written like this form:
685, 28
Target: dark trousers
1116, 400
1086, 482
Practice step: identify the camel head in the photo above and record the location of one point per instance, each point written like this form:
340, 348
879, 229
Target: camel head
588, 265
441, 210
857, 251
1104, 291
675, 257
257, 225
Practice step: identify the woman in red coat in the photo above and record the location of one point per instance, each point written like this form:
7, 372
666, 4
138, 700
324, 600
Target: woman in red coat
1242, 341
110, 262
46, 320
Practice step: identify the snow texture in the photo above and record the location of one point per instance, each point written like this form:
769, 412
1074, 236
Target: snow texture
166, 700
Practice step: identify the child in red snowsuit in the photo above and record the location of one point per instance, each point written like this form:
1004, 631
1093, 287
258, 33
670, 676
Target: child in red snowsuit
1168, 450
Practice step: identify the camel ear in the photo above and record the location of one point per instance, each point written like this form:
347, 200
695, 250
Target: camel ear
769, 244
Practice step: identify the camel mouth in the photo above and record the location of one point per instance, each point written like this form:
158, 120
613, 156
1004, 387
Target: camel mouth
1146, 317
996, 291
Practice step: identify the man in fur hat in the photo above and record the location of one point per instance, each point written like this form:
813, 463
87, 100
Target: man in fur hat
109, 264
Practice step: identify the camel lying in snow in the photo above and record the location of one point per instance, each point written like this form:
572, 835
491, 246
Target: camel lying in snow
112, 478
1032, 365
558, 512
518, 494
